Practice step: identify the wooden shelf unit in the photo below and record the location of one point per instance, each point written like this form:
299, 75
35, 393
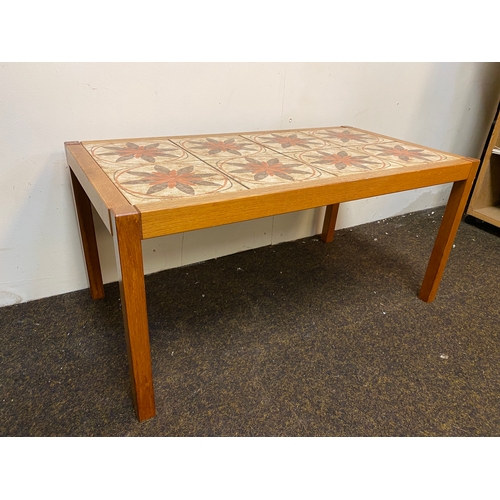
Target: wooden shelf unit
485, 200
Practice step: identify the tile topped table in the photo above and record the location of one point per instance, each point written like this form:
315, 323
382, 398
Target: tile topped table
150, 187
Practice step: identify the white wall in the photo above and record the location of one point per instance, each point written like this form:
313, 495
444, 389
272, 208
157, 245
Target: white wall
447, 106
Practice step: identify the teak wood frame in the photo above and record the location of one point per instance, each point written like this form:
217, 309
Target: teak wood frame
129, 225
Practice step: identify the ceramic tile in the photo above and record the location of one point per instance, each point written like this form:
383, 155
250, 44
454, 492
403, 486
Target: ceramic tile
287, 142
346, 136
267, 169
341, 161
225, 146
178, 180
115, 154
404, 154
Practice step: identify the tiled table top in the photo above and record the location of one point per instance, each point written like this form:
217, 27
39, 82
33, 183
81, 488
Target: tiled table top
159, 169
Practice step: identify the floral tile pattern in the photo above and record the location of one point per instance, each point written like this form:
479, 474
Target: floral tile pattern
247, 162
288, 141
148, 153
147, 170
343, 161
175, 181
157, 170
403, 153
347, 136
227, 146
253, 171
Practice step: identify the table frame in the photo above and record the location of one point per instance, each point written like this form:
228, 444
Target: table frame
129, 225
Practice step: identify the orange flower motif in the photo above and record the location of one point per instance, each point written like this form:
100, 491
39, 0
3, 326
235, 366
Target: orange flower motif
271, 168
132, 150
164, 178
227, 146
403, 153
287, 141
343, 160
346, 136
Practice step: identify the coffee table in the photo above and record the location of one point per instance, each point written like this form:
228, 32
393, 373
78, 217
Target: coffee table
150, 187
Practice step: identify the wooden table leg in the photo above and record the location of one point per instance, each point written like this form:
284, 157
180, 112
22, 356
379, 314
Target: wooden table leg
446, 235
329, 222
128, 249
89, 242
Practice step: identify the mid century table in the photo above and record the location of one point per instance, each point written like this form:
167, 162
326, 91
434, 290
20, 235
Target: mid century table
150, 187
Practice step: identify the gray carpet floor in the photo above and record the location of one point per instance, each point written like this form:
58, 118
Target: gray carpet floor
297, 339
